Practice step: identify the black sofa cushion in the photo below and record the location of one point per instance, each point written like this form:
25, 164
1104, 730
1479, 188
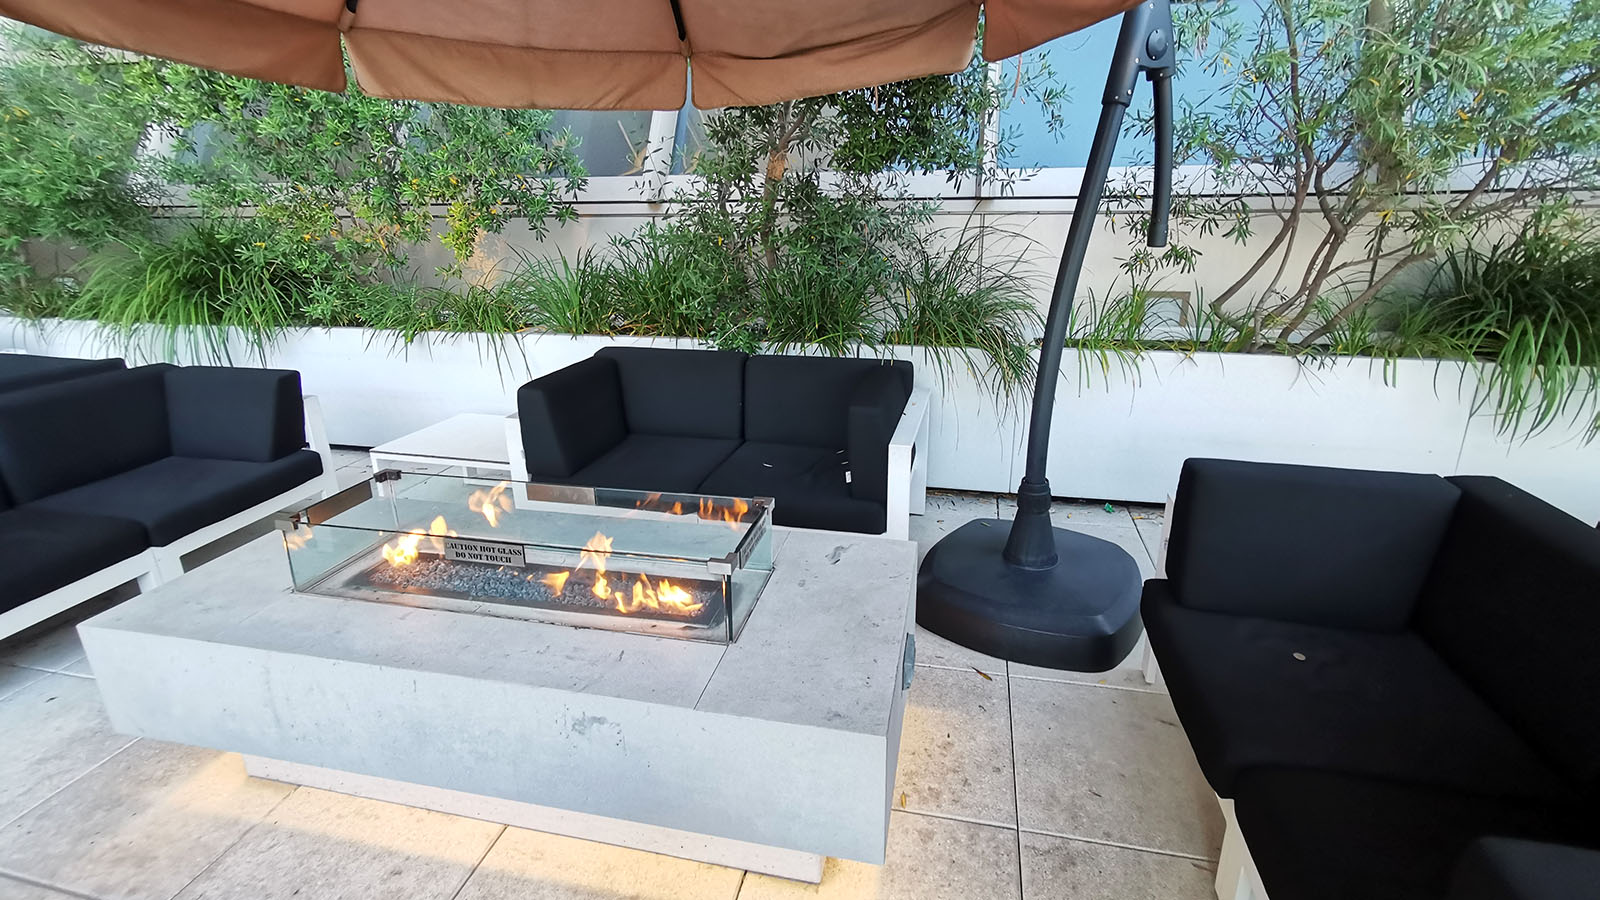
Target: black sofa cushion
806, 483
1497, 868
1513, 605
217, 412
177, 495
805, 400
20, 370
1323, 836
43, 549
571, 417
680, 393
58, 436
876, 405
651, 462
1335, 547
1377, 704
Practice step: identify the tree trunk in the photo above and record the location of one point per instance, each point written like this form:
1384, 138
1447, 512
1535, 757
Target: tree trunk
777, 164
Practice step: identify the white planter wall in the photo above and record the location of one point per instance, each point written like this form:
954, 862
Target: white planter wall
1118, 433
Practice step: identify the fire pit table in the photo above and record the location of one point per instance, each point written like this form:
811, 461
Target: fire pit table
670, 673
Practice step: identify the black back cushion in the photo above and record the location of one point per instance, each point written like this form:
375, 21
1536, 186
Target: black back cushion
570, 417
19, 370
680, 393
1338, 547
219, 412
805, 400
59, 436
1513, 605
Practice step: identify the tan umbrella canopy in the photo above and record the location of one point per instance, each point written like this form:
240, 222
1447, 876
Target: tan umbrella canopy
572, 54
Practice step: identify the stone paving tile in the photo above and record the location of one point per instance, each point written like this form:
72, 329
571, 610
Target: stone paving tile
49, 647
928, 859
1057, 869
54, 731
14, 678
955, 748
1109, 766
12, 889
142, 824
530, 865
320, 844
343, 458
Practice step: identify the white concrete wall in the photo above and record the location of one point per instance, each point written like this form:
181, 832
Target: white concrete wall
1039, 225
1119, 432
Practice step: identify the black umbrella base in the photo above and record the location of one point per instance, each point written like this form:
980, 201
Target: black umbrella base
1081, 615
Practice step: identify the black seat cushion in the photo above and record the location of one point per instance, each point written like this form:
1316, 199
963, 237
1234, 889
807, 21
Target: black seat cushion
174, 496
44, 549
1377, 704
1497, 868
807, 484
1355, 558
1324, 836
20, 370
653, 462
681, 393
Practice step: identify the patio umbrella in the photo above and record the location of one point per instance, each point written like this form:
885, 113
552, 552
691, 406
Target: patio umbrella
571, 54
1025, 591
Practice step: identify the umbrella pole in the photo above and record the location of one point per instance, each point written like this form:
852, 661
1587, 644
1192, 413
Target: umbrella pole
1031, 592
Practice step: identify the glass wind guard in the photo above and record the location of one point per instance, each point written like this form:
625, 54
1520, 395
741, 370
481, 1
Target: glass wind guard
679, 565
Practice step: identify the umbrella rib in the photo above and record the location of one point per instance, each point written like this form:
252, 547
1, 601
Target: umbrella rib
677, 18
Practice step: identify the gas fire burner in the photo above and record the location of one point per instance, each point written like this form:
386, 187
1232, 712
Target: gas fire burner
684, 566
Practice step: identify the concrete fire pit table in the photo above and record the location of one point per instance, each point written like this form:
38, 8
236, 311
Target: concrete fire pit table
766, 754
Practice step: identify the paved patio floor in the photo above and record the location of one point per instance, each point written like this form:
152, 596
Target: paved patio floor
1014, 782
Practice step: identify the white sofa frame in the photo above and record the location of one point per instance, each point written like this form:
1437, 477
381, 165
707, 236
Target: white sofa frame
1237, 878
908, 463
158, 565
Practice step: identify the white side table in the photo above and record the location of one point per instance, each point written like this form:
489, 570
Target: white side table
470, 443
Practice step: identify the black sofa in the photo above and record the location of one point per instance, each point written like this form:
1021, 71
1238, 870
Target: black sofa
22, 370
810, 432
1382, 669
97, 469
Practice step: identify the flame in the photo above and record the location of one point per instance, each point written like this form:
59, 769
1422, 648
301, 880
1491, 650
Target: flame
296, 539
733, 514
643, 594
594, 555
491, 502
663, 597
402, 551
666, 597
653, 502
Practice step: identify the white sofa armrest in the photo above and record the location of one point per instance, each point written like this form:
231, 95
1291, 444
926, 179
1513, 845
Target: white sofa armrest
908, 465
317, 440
515, 454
